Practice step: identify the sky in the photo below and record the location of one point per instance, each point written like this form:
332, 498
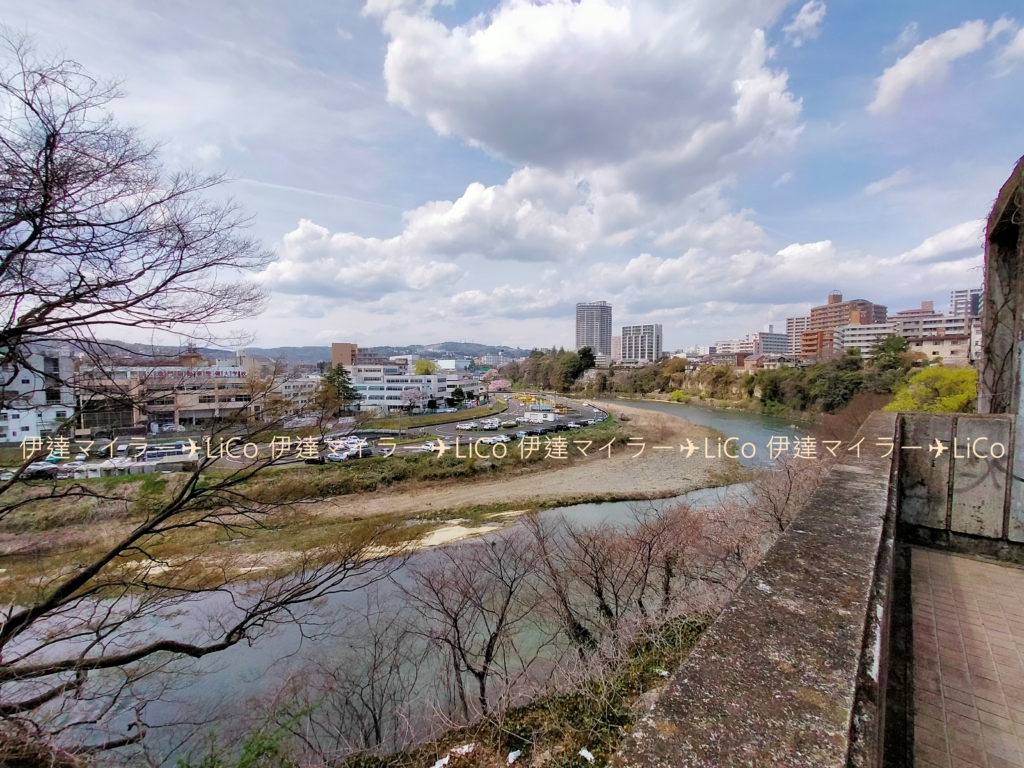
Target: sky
467, 171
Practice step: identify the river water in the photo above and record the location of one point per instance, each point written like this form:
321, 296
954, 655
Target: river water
223, 682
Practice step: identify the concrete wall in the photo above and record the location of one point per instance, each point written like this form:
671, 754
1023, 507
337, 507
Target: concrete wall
794, 671
956, 489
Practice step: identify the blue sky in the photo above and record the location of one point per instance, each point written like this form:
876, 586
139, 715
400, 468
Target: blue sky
431, 171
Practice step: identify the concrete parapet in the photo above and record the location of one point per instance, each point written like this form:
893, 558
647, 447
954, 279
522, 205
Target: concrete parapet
793, 672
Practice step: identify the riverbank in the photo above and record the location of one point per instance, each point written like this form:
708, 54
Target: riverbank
645, 463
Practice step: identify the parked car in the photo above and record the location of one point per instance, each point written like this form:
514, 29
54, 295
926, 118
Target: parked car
430, 445
501, 439
317, 460
80, 457
522, 433
363, 452
573, 425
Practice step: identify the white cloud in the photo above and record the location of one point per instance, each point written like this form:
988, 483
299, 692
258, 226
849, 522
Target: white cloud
949, 245
806, 24
783, 179
1014, 50
907, 39
927, 64
656, 99
901, 176
313, 262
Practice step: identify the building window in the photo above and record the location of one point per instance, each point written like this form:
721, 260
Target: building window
60, 414
207, 399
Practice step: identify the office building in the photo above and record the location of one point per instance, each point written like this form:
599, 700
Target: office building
616, 354
594, 327
965, 303
641, 343
838, 312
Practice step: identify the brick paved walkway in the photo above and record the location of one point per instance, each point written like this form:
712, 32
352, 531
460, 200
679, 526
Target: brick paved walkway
968, 654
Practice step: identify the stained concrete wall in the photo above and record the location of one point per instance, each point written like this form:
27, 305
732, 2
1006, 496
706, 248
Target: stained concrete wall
793, 672
954, 480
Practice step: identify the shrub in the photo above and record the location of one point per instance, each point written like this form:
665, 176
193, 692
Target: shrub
938, 390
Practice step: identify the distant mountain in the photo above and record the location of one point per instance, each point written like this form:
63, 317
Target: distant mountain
320, 353
436, 351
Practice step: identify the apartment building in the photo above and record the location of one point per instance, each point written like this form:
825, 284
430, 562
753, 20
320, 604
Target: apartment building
862, 337
966, 302
734, 346
794, 327
616, 354
594, 327
933, 324
954, 350
837, 312
35, 403
641, 343
770, 343
817, 345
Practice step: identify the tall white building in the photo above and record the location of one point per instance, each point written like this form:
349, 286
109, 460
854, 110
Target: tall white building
965, 302
594, 327
641, 342
794, 327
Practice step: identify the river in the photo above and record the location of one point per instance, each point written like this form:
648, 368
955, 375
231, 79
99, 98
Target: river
226, 680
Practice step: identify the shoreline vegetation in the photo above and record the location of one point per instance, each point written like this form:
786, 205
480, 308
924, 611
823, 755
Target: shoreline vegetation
811, 391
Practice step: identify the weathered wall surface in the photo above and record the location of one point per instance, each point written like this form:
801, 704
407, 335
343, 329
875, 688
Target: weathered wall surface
791, 672
955, 483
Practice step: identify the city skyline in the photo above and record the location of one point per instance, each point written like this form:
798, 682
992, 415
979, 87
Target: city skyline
811, 145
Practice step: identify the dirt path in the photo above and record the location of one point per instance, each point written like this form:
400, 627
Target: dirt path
652, 473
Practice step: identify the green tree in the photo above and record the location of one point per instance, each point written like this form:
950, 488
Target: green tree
425, 367
458, 396
339, 386
570, 368
586, 355
938, 390
889, 354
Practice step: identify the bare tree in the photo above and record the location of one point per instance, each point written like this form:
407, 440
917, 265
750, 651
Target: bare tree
95, 237
473, 602
778, 492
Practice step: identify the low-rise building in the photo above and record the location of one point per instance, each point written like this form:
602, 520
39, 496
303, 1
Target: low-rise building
114, 397
383, 387
953, 350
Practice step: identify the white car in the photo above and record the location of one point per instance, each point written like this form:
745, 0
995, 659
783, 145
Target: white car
501, 439
80, 457
431, 446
